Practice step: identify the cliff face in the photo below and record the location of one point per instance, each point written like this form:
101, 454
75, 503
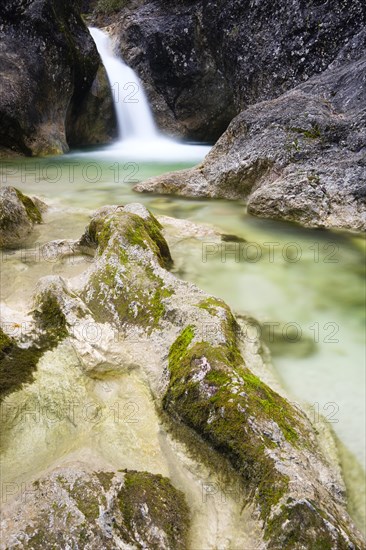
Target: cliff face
203, 62
48, 64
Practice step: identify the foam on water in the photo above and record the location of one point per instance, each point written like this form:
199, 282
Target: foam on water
138, 136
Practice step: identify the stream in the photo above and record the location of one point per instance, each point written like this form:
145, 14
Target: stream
308, 285
305, 287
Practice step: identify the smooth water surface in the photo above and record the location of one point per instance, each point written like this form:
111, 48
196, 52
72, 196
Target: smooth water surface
305, 285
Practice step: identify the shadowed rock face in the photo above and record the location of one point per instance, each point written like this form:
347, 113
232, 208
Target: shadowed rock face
48, 65
300, 157
92, 120
202, 62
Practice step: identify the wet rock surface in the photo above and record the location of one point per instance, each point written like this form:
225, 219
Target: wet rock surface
204, 62
18, 216
92, 121
300, 157
197, 363
49, 63
74, 507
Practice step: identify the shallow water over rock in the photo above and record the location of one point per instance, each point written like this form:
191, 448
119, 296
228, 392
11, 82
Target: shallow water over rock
305, 287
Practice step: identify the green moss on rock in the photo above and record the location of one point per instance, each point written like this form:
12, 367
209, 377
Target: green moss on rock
87, 498
18, 214
123, 229
212, 391
228, 326
219, 400
211, 304
33, 211
134, 295
17, 365
283, 531
310, 133
126, 288
154, 513
105, 478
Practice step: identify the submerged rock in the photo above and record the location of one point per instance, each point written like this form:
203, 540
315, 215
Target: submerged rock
300, 157
73, 507
18, 215
197, 362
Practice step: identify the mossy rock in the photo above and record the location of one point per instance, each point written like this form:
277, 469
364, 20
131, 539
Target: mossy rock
130, 230
134, 296
214, 393
154, 513
30, 206
300, 522
17, 365
87, 496
73, 507
50, 319
18, 215
126, 286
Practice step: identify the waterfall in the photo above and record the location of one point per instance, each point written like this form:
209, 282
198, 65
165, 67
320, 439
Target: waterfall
132, 109
138, 136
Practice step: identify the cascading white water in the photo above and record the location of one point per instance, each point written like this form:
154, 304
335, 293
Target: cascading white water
138, 137
132, 109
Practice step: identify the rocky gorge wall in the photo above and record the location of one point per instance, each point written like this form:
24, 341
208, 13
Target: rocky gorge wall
300, 157
50, 78
203, 62
282, 85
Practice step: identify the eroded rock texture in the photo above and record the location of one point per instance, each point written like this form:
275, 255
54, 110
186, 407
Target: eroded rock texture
203, 62
48, 65
300, 157
197, 362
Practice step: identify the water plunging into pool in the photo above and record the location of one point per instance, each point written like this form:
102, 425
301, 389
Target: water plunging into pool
138, 136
